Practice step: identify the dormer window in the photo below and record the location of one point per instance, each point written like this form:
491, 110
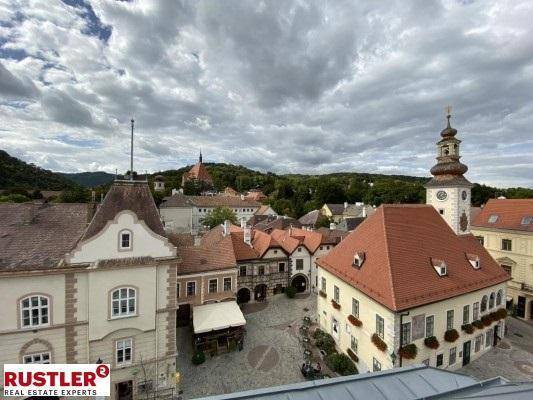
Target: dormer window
473, 259
439, 266
358, 259
125, 240
493, 219
527, 220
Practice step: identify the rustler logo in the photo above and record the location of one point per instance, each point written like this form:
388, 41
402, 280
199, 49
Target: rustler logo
71, 380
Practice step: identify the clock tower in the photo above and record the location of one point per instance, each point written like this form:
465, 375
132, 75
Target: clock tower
449, 191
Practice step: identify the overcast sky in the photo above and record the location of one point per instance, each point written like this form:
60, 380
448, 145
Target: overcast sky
286, 86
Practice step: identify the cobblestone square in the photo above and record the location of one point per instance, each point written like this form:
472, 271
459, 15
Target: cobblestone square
272, 354
512, 358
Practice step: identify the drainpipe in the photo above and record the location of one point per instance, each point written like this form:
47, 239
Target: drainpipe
401, 344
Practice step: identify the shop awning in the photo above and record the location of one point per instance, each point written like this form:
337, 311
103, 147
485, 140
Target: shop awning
217, 316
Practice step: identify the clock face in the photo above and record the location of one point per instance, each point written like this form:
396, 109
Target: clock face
464, 195
441, 195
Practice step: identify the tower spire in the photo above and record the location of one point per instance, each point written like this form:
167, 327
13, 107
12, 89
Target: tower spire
200, 158
131, 150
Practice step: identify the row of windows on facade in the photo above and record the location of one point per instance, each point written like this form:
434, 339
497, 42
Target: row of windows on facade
35, 310
244, 210
505, 244
244, 270
212, 287
487, 302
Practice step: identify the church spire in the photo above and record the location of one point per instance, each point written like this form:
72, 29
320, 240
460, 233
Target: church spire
200, 158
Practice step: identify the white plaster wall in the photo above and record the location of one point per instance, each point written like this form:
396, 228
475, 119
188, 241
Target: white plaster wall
177, 219
105, 245
453, 205
307, 260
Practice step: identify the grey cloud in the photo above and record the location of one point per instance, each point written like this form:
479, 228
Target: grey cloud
12, 87
60, 107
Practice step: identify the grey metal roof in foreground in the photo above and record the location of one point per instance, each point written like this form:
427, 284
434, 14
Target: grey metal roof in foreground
412, 382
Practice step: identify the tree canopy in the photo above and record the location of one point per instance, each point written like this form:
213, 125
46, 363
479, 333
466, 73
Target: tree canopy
218, 216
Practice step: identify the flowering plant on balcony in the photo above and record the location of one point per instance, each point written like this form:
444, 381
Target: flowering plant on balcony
409, 351
354, 320
378, 342
451, 335
468, 328
352, 355
500, 314
431, 342
486, 320
478, 324
335, 305
322, 293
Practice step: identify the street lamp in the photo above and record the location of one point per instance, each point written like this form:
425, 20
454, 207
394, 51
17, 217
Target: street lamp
393, 357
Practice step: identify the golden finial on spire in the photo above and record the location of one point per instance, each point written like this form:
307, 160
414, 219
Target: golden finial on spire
448, 109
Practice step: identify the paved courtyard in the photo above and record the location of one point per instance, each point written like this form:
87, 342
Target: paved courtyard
512, 358
271, 356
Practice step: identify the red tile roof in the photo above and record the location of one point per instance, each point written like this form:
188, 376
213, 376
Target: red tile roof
290, 239
510, 213
200, 259
399, 242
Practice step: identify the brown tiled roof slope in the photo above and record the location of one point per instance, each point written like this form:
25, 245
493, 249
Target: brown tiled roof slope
290, 239
399, 242
331, 236
134, 196
510, 214
274, 222
198, 172
200, 259
310, 218
181, 200
37, 236
336, 209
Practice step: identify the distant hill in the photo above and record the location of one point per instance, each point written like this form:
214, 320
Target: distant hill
89, 179
15, 173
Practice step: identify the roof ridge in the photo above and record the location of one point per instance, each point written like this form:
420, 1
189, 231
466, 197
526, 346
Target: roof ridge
387, 256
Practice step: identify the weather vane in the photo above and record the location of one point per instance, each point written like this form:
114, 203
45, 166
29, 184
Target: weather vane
448, 109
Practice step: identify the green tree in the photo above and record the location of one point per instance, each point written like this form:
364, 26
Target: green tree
218, 216
195, 187
75, 195
323, 222
329, 191
14, 198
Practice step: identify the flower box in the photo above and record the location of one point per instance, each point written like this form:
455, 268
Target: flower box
468, 328
486, 320
335, 305
352, 355
409, 351
322, 293
451, 335
354, 320
501, 314
378, 342
432, 342
478, 324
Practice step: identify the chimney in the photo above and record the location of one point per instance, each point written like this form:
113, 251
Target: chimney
248, 235
345, 205
332, 226
243, 223
226, 227
242, 196
364, 211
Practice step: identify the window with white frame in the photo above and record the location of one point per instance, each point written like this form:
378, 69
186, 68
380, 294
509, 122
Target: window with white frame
178, 291
440, 360
355, 308
353, 344
466, 314
430, 325
299, 264
477, 343
124, 349
37, 358
453, 354
323, 284
336, 294
449, 319
281, 267
242, 270
507, 244
484, 301
125, 239
35, 311
380, 326
227, 284
191, 288
213, 285
492, 298
475, 311
488, 338
123, 302
499, 297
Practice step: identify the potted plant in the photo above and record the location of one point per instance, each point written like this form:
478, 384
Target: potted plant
468, 328
352, 355
409, 351
290, 292
335, 305
451, 335
486, 320
198, 358
478, 324
354, 320
378, 342
322, 293
432, 342
501, 313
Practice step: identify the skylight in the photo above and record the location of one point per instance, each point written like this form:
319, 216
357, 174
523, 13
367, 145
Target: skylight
527, 220
493, 218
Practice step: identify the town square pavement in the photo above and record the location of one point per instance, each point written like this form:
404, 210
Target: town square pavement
271, 356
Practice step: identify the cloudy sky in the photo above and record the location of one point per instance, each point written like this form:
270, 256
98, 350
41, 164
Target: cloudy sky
287, 86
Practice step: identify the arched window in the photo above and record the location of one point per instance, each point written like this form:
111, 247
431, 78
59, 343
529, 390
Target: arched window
499, 297
123, 302
125, 239
34, 311
484, 303
491, 300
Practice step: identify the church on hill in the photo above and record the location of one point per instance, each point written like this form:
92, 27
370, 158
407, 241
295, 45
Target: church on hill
198, 172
